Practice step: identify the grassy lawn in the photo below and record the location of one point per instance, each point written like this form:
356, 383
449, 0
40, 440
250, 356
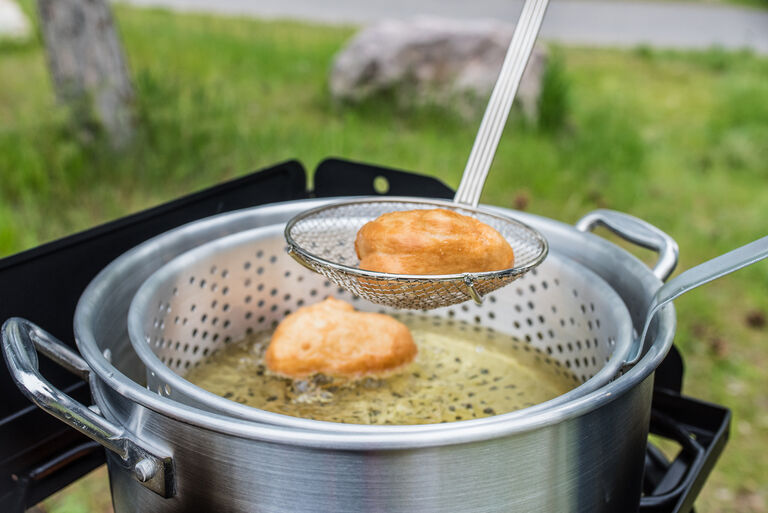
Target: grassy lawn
676, 138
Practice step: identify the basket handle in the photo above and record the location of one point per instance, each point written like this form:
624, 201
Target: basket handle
21, 341
638, 232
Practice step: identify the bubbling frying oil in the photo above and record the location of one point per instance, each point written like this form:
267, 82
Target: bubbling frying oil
459, 374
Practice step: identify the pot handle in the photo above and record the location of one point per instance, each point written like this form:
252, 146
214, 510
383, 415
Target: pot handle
637, 231
21, 340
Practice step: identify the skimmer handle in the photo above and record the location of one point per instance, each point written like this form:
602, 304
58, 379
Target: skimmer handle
699, 275
495, 117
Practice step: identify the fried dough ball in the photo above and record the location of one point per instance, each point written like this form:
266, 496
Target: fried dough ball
436, 241
332, 338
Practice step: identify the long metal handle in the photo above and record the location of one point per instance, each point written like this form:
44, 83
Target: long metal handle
20, 342
696, 276
638, 232
497, 111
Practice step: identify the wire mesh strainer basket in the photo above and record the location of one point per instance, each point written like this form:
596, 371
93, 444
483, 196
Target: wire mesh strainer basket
322, 240
218, 293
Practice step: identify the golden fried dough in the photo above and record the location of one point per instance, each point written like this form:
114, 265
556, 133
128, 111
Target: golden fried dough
331, 338
435, 241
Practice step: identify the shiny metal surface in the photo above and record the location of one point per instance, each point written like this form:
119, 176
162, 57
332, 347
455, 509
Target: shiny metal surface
638, 232
20, 341
584, 457
223, 290
696, 276
323, 240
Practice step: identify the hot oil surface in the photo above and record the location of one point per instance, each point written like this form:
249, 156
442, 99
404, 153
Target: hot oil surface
459, 374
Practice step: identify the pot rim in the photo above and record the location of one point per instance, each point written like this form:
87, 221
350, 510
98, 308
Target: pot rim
405, 437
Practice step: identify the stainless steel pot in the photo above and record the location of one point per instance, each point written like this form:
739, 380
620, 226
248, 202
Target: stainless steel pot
584, 456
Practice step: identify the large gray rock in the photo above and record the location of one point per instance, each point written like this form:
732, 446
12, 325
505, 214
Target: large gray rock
13, 22
432, 59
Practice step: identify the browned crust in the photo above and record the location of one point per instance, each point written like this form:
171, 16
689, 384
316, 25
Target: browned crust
435, 241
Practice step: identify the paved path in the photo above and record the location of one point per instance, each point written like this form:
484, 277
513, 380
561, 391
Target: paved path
585, 22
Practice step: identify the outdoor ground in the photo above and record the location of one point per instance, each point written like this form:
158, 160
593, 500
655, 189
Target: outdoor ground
678, 139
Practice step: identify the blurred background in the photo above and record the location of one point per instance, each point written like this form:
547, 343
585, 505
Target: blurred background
658, 109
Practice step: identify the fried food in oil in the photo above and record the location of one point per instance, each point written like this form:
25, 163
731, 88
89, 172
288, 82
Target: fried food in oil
435, 241
331, 338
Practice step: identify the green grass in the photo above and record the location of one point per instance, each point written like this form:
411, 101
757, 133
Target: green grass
678, 139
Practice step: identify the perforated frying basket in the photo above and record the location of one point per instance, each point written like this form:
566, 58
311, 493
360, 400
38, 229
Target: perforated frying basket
221, 291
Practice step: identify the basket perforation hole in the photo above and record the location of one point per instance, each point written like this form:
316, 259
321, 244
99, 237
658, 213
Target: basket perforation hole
225, 291
259, 254
478, 320
226, 324
272, 259
551, 333
516, 324
300, 303
191, 280
260, 270
247, 282
225, 307
273, 292
246, 265
592, 307
215, 337
195, 349
204, 318
313, 292
287, 274
213, 269
248, 315
260, 287
575, 293
261, 319
260, 303
205, 351
214, 321
569, 345
491, 315
544, 285
287, 297
202, 283
541, 319
529, 321
532, 287
554, 309
531, 305
194, 332
273, 308
224, 273
192, 307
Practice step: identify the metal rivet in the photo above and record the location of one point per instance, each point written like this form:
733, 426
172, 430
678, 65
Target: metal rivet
144, 470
